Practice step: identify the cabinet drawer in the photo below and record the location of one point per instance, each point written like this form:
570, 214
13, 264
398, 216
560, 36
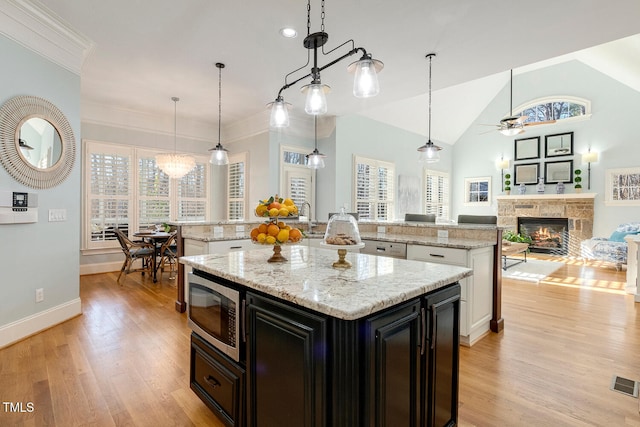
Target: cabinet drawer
217, 381
226, 246
437, 254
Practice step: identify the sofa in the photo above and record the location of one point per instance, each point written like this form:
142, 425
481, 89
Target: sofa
610, 249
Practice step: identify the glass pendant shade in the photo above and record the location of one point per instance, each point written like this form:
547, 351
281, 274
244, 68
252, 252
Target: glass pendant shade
316, 103
279, 114
175, 165
219, 156
315, 160
429, 153
365, 82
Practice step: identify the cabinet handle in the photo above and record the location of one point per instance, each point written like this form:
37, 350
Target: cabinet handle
235, 247
423, 320
433, 328
379, 249
211, 381
243, 320
436, 255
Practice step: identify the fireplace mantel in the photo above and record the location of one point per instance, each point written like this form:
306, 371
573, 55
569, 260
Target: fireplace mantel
572, 196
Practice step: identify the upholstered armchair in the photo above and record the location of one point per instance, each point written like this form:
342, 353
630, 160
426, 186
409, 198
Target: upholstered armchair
610, 249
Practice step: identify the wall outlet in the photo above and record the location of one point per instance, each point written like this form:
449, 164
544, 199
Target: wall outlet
56, 215
443, 234
39, 295
382, 229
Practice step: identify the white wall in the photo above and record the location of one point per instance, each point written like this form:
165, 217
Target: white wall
43, 254
610, 131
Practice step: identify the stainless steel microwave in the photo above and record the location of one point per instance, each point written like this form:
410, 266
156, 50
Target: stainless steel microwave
215, 313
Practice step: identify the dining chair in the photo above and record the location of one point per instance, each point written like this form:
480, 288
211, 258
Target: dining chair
134, 251
169, 256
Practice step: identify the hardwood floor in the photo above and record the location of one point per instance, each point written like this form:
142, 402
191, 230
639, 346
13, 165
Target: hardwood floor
125, 361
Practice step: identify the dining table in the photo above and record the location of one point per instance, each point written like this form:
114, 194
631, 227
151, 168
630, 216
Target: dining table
156, 238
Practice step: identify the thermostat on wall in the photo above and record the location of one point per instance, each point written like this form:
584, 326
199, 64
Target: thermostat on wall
18, 207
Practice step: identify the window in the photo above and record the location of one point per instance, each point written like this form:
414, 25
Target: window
477, 191
623, 187
125, 189
554, 108
374, 189
296, 179
436, 193
237, 187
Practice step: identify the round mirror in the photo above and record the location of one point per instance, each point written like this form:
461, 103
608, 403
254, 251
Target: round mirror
39, 143
37, 146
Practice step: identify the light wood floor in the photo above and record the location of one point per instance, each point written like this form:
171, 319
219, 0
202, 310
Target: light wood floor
125, 361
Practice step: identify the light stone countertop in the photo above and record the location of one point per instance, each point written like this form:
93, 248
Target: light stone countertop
308, 279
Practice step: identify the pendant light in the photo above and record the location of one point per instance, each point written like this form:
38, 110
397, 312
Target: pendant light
365, 83
173, 164
429, 151
315, 160
219, 155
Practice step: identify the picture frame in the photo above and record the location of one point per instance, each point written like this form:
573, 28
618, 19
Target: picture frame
560, 144
558, 171
527, 148
526, 173
622, 187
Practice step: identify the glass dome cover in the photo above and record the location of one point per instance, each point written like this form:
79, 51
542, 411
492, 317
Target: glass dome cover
342, 229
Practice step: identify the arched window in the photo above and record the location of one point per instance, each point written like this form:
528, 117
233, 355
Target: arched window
554, 108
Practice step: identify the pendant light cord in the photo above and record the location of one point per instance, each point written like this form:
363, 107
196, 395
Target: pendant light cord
430, 56
315, 125
175, 124
511, 96
220, 67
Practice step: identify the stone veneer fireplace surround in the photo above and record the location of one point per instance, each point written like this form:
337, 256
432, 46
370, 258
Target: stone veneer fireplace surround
578, 208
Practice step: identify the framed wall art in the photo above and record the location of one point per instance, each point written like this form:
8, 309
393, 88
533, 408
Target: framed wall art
559, 171
526, 173
527, 148
560, 144
623, 187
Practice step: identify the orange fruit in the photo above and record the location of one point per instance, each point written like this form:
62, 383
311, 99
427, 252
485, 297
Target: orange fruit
262, 228
274, 212
283, 211
254, 233
261, 238
274, 205
282, 224
295, 235
283, 236
288, 202
270, 240
261, 210
273, 230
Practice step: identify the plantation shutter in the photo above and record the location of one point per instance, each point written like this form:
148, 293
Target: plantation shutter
192, 194
236, 198
436, 193
298, 184
154, 202
374, 189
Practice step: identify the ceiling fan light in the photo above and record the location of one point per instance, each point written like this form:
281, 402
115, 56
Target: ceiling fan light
279, 113
511, 131
316, 103
365, 82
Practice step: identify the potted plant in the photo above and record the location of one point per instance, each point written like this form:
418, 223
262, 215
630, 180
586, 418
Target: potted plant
577, 179
507, 183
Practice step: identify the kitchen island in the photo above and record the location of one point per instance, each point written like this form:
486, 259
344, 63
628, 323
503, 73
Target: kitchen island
376, 344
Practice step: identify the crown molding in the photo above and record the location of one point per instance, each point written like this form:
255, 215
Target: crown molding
32, 25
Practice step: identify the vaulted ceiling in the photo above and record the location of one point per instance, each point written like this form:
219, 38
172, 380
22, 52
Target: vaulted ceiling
147, 51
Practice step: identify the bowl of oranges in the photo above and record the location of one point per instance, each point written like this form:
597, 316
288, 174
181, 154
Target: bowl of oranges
275, 232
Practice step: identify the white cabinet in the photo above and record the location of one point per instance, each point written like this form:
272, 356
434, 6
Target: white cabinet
476, 291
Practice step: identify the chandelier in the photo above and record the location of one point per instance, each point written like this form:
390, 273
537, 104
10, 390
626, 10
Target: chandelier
429, 151
219, 155
173, 164
365, 82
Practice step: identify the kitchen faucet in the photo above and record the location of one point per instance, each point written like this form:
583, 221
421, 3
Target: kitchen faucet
308, 212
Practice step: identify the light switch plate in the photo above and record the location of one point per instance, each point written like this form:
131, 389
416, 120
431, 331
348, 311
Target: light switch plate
382, 229
56, 215
443, 234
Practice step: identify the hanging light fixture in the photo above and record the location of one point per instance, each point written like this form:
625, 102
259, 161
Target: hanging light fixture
173, 164
512, 125
219, 155
429, 151
315, 160
365, 81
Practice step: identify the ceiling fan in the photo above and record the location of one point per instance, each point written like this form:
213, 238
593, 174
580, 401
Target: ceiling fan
514, 125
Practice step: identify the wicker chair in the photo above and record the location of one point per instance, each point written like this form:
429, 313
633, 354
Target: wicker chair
134, 251
169, 255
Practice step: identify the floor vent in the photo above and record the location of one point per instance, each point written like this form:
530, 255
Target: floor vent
624, 385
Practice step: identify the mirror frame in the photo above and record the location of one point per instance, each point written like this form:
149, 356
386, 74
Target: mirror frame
13, 114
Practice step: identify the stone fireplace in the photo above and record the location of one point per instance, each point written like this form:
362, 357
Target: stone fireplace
576, 209
548, 235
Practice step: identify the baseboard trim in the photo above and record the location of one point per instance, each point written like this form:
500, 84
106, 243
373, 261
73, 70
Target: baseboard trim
30, 325
105, 267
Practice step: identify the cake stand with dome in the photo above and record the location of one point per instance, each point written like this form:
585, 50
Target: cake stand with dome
342, 234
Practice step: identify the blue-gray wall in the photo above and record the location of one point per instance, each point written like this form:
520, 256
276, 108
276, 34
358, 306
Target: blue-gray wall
43, 254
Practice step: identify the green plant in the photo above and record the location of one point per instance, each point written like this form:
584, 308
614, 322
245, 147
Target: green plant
577, 179
507, 182
516, 237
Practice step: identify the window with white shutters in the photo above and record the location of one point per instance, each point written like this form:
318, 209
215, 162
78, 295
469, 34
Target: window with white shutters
296, 179
237, 187
436, 193
125, 189
374, 189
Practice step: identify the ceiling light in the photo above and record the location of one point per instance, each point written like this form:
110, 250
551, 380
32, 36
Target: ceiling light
173, 164
219, 155
288, 32
511, 125
365, 80
315, 160
429, 151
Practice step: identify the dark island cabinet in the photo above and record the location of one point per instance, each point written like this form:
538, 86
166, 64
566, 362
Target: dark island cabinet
286, 365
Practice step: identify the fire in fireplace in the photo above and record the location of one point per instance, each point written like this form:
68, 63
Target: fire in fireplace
548, 235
